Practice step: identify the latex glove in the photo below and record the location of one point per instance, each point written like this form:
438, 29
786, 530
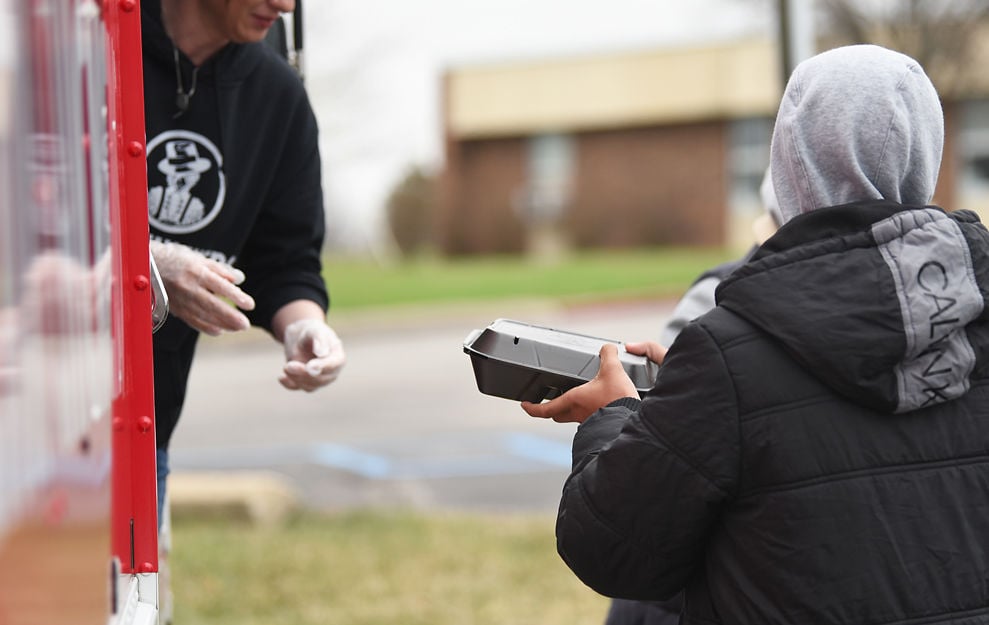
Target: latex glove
199, 289
574, 406
314, 355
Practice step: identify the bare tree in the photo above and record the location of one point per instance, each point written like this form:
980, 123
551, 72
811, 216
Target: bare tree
943, 36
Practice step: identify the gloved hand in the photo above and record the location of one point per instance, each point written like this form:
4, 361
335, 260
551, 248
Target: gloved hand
314, 355
198, 288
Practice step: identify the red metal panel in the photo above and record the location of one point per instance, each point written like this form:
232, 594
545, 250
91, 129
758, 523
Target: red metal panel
134, 506
56, 352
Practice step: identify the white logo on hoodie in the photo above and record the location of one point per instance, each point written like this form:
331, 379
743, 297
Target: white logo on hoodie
186, 186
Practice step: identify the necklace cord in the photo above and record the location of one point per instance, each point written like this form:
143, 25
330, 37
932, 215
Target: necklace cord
182, 97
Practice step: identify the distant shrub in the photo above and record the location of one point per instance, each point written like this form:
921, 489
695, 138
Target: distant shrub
411, 210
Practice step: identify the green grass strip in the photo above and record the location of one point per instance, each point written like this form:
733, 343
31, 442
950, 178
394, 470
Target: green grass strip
378, 568
638, 273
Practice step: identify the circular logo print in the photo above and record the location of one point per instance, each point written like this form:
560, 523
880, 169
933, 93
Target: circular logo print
186, 186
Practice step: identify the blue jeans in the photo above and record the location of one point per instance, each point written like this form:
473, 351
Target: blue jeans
161, 462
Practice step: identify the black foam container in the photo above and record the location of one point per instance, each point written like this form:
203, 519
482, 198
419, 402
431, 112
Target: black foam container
526, 362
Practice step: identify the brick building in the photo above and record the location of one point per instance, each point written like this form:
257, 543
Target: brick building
663, 147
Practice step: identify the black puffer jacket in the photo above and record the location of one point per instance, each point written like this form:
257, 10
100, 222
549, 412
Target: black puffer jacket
816, 448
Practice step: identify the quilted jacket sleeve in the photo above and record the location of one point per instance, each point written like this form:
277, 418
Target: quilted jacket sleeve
650, 479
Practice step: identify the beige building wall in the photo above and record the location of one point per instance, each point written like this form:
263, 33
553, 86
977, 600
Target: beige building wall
739, 79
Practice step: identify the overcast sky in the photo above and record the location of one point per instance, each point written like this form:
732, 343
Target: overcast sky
373, 72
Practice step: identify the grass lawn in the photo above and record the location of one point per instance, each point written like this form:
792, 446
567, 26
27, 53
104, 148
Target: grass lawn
356, 284
377, 568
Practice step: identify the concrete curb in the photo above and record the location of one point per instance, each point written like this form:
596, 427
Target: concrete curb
259, 497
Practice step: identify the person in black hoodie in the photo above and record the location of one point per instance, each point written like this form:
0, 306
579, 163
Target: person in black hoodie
816, 448
235, 201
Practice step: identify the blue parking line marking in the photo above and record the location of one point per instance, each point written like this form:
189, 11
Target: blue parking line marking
537, 448
510, 454
353, 460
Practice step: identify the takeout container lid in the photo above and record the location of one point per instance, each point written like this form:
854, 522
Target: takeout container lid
526, 362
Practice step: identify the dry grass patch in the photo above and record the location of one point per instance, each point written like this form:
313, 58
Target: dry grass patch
378, 568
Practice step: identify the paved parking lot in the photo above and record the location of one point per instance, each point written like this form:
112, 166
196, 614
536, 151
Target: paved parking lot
403, 426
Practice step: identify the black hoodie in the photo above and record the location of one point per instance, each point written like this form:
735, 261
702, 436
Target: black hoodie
235, 176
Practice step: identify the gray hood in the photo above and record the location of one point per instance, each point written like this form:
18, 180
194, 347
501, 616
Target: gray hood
875, 293
856, 123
